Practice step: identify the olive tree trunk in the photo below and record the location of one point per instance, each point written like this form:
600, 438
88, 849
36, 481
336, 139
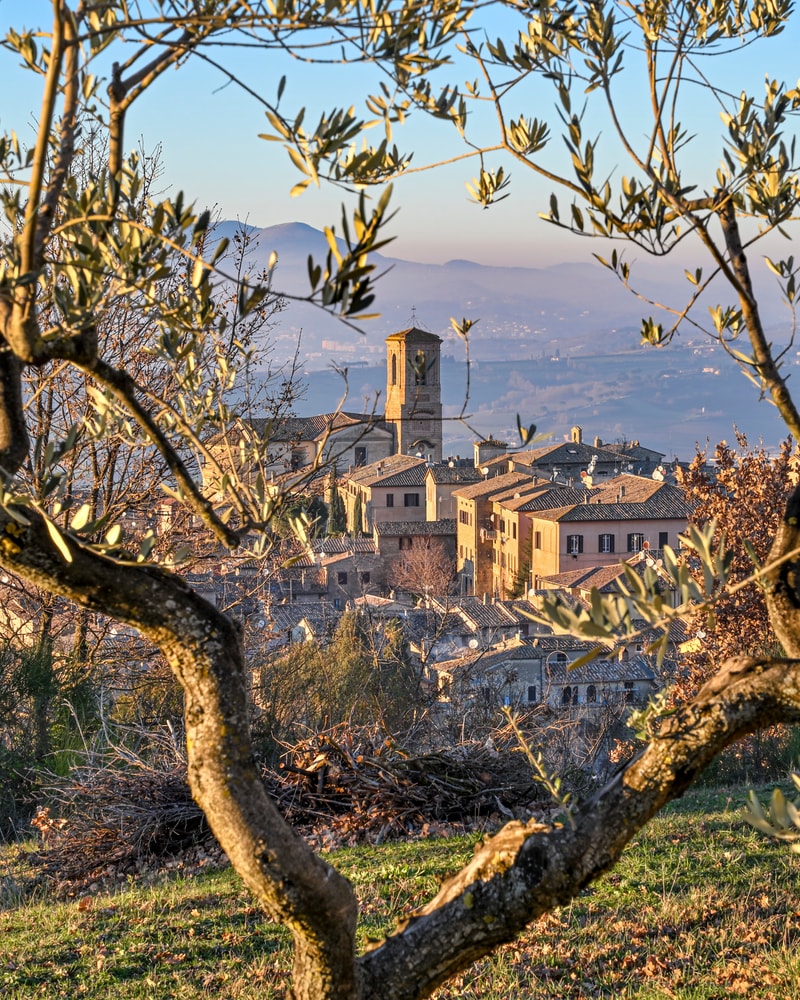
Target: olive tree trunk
524, 871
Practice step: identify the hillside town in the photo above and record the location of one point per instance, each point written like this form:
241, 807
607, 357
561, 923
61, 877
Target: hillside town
461, 550
472, 692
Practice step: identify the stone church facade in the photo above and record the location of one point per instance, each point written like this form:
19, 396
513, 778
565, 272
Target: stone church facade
414, 393
410, 425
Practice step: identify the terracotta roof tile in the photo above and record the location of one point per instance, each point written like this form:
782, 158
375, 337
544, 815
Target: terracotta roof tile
495, 484
446, 526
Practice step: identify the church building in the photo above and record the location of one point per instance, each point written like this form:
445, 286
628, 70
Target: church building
411, 424
414, 393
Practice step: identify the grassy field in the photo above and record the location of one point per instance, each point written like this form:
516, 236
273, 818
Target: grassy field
699, 907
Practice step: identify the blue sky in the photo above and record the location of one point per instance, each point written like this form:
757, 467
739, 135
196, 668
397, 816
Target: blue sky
208, 133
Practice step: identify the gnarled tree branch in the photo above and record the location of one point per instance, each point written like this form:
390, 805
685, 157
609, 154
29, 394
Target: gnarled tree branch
528, 869
203, 648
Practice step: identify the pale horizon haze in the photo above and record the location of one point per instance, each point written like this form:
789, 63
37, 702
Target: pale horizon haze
208, 133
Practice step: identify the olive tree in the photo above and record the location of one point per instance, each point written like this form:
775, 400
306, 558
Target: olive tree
75, 247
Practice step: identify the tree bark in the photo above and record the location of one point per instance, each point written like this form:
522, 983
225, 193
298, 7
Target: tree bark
528, 869
521, 873
204, 650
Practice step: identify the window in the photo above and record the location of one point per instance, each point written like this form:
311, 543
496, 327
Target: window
531, 692
591, 694
390, 499
574, 544
361, 456
462, 517
406, 542
365, 577
341, 578
537, 539
566, 695
663, 539
394, 369
606, 543
411, 499
514, 530
635, 541
629, 693
502, 525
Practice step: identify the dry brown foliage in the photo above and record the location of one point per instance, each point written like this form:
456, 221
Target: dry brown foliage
340, 787
745, 494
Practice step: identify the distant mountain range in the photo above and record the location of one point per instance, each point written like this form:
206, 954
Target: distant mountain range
559, 345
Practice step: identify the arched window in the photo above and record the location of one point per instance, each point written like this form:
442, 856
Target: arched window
566, 695
394, 369
591, 694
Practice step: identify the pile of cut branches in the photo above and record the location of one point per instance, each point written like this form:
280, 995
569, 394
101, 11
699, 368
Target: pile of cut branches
122, 814
348, 786
112, 819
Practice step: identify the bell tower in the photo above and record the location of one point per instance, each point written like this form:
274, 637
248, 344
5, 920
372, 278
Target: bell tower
414, 392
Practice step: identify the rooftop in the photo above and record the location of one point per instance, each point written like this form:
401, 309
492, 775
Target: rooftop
447, 526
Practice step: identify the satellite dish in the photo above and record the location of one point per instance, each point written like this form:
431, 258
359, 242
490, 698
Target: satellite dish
473, 643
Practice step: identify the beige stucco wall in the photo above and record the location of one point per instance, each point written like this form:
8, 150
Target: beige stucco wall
553, 557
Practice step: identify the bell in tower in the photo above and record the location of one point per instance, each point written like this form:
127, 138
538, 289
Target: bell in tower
414, 392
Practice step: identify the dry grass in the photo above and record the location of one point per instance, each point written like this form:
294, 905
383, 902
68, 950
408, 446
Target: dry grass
700, 907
